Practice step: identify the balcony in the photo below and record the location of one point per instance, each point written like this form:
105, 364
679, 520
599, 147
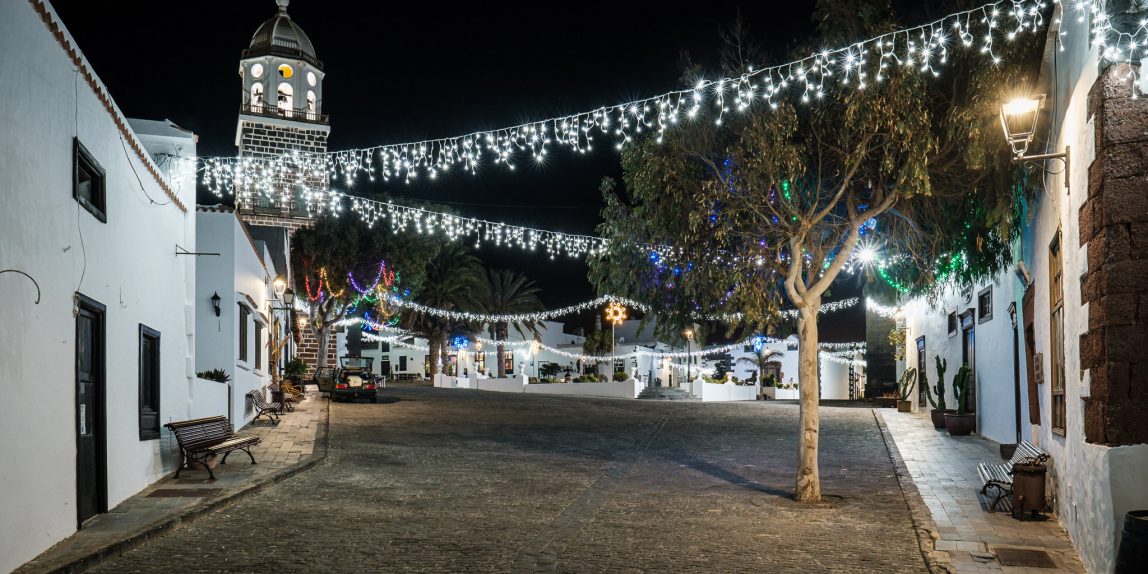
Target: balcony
271, 111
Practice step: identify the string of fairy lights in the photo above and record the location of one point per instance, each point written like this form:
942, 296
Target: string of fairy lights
860, 65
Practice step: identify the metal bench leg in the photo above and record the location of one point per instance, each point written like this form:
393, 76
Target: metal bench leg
248, 451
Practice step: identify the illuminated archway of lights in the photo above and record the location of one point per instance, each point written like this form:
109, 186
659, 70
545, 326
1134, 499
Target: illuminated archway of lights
924, 49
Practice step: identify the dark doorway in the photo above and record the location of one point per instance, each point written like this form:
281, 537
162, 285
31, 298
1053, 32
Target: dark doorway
969, 357
91, 453
922, 364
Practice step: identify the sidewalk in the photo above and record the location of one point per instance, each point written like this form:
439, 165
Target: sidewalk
297, 443
951, 509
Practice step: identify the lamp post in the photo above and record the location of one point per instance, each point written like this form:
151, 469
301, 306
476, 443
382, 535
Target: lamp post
286, 295
689, 334
1018, 120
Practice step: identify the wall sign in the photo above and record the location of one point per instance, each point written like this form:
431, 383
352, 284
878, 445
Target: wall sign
1038, 367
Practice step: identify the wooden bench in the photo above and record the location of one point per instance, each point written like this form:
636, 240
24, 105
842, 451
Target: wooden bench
264, 408
1000, 475
201, 439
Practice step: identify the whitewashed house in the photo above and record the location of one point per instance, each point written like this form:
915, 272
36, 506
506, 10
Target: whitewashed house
236, 311
96, 339
1079, 286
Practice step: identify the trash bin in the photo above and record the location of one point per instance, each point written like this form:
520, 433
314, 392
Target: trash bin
1027, 489
1133, 553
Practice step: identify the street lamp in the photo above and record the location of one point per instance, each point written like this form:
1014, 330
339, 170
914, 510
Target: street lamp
280, 286
689, 335
1018, 120
615, 314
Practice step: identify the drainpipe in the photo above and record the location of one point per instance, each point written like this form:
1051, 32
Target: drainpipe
1015, 368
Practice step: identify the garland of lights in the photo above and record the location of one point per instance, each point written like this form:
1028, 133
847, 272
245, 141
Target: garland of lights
882, 310
923, 48
587, 305
404, 218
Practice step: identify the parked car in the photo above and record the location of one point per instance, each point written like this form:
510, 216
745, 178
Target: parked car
355, 380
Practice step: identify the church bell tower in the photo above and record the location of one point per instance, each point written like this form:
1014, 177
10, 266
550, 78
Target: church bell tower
282, 112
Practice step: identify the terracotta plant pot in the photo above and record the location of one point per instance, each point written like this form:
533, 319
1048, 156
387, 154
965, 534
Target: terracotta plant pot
938, 416
960, 425
904, 406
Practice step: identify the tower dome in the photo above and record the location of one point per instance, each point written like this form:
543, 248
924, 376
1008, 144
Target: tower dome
281, 36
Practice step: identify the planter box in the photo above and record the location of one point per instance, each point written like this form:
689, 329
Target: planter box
960, 425
886, 402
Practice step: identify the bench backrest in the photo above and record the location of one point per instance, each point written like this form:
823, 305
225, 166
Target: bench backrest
256, 399
207, 430
1028, 453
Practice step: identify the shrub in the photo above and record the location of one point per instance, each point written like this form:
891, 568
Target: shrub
588, 378
620, 376
217, 375
296, 367
532, 380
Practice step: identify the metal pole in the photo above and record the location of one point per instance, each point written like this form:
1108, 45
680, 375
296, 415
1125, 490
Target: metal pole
1015, 368
688, 359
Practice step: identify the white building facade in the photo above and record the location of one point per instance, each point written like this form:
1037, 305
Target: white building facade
1080, 298
97, 338
237, 337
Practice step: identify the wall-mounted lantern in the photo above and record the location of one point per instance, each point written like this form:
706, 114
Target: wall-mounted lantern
1018, 119
215, 303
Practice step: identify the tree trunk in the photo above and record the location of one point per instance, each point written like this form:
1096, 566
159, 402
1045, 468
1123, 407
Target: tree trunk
499, 333
808, 488
324, 336
435, 352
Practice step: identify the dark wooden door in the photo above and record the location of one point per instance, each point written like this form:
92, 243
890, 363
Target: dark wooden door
91, 490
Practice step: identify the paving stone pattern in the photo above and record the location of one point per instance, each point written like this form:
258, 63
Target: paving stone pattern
283, 445
468, 481
944, 471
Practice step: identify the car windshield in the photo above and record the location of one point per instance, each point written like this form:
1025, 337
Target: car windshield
357, 363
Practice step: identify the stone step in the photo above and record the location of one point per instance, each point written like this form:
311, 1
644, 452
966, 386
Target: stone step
664, 393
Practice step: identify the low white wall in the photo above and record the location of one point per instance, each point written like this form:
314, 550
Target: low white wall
509, 385
208, 398
628, 389
710, 392
782, 394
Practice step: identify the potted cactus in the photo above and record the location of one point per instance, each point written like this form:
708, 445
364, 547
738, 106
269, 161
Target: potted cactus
961, 423
939, 408
908, 379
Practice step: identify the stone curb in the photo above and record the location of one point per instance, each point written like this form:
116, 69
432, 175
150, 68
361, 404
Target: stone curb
927, 533
150, 532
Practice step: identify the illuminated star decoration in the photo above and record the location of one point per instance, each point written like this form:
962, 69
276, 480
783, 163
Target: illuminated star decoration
616, 313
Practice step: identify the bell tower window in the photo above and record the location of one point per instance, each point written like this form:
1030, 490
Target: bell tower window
257, 96
286, 99
312, 105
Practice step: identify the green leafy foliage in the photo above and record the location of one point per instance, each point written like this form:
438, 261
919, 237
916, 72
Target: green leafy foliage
510, 292
217, 375
296, 367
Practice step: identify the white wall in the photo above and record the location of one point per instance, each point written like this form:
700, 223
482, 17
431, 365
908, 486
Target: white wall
236, 274
993, 356
128, 264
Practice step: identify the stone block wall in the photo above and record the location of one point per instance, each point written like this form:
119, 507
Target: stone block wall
1114, 227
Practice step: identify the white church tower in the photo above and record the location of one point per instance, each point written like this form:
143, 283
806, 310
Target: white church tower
282, 112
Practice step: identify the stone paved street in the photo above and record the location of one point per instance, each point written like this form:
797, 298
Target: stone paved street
944, 471
285, 448
452, 481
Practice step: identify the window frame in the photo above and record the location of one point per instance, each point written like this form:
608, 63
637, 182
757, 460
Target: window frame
258, 365
244, 312
1057, 384
97, 201
954, 324
981, 315
149, 384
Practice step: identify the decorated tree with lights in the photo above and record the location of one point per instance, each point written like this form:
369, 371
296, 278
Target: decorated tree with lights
764, 209
327, 256
510, 293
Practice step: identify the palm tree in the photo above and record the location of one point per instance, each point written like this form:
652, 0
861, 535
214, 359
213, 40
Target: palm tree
761, 359
455, 280
510, 292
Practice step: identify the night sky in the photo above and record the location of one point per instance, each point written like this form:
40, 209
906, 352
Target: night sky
399, 72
